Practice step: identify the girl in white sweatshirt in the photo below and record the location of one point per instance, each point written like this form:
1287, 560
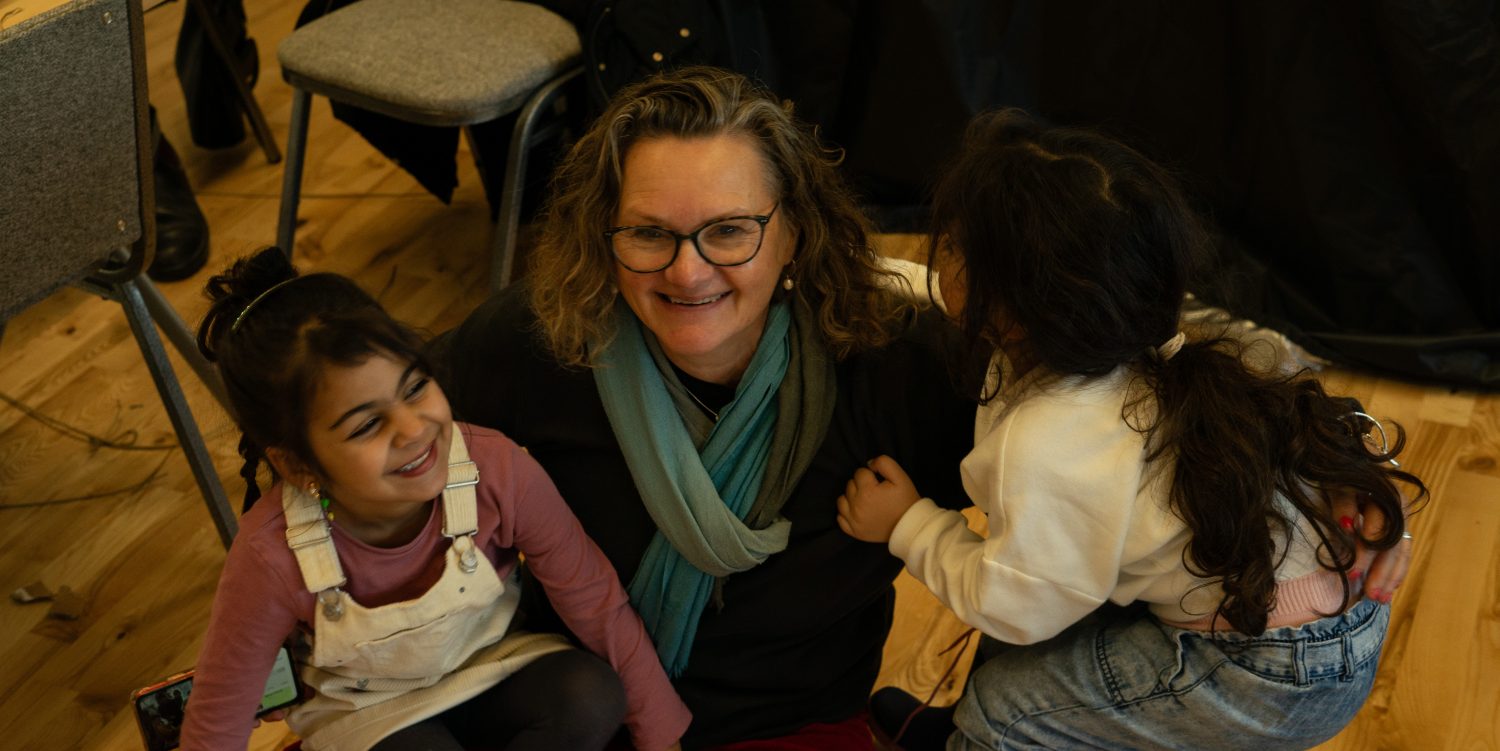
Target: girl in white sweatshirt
1164, 566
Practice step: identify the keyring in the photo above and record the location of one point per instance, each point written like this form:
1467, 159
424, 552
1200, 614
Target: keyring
1370, 437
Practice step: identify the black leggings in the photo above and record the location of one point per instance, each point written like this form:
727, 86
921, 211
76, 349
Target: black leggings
565, 700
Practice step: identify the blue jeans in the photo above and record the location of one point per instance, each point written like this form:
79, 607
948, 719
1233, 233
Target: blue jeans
1121, 679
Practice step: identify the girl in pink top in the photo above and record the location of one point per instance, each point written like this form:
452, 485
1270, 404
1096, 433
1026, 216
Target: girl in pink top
386, 552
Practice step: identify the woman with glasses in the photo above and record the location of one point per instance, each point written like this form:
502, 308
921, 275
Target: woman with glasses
701, 353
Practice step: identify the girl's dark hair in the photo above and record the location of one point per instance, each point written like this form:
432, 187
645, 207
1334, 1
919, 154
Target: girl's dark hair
1077, 252
271, 332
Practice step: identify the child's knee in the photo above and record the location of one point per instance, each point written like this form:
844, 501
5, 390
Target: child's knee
589, 688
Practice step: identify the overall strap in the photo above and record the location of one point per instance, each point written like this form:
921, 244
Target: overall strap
311, 541
460, 507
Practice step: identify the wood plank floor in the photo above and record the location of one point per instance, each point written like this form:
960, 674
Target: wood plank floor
144, 557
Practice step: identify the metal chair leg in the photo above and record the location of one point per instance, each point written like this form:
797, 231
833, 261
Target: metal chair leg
182, 339
521, 141
247, 100
199, 461
483, 167
291, 174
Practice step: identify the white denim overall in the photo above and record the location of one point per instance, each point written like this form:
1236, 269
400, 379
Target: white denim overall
377, 670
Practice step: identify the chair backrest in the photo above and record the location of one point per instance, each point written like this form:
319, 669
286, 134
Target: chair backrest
74, 145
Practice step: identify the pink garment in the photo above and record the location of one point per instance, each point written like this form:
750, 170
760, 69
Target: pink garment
1304, 599
852, 734
261, 599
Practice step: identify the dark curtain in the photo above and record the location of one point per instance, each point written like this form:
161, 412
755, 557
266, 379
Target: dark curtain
1346, 150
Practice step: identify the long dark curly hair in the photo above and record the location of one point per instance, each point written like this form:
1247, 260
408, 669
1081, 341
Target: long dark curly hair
1077, 252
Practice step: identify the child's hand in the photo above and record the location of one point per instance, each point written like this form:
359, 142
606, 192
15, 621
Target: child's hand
275, 715
1378, 574
870, 506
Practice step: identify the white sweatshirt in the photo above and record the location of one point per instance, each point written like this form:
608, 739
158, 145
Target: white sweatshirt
1076, 517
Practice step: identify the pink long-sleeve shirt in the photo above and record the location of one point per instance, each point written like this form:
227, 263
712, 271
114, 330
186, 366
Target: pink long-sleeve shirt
262, 600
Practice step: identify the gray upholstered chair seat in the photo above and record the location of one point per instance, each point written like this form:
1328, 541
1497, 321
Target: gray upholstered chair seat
450, 63
434, 62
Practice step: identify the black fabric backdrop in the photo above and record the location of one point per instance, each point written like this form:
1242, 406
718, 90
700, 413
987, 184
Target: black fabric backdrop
1346, 149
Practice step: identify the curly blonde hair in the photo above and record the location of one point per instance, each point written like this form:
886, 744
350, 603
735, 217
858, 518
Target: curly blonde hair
572, 285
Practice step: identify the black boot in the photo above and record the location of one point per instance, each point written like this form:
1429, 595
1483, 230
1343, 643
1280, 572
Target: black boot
925, 728
215, 113
181, 229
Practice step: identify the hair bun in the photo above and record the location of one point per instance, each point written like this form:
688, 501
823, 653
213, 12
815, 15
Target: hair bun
233, 289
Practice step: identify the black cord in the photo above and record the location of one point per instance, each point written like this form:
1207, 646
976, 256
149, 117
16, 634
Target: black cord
126, 442
961, 644
155, 472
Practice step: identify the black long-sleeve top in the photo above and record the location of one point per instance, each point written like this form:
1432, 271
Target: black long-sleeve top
799, 638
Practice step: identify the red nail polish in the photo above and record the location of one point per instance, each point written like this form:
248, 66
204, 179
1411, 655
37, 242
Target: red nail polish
1347, 522
1376, 595
1354, 574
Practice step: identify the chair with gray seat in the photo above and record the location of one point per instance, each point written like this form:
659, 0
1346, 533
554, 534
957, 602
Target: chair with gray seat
76, 204
434, 62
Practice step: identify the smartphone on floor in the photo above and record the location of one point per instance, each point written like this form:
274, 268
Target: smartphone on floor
159, 707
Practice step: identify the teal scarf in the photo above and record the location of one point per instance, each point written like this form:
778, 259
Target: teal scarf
698, 499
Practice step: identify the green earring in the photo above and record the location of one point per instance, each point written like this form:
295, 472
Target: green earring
323, 500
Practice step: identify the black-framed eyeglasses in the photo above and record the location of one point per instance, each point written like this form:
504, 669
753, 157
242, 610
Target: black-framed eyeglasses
731, 241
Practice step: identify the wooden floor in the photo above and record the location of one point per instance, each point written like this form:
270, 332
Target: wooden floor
144, 557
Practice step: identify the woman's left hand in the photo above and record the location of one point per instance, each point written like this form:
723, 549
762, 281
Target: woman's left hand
873, 503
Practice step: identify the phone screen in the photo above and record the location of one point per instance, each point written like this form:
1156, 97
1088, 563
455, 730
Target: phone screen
281, 687
159, 709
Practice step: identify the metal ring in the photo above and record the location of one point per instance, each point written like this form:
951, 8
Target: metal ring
1406, 536
1374, 423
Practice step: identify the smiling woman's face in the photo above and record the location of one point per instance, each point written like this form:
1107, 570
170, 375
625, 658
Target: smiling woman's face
707, 318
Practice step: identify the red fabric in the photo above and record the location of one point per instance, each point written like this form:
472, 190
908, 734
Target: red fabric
852, 734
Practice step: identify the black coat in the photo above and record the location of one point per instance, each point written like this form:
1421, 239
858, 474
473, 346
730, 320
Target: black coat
799, 637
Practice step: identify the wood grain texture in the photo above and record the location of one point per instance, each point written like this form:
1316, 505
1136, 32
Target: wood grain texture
146, 562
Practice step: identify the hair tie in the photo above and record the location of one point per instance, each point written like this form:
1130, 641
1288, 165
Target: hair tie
233, 327
1171, 347
247, 471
